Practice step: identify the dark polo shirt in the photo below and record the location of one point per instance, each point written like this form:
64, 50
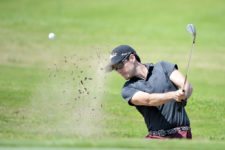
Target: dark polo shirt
166, 116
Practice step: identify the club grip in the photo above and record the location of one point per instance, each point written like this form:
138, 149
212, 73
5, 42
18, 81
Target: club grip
182, 103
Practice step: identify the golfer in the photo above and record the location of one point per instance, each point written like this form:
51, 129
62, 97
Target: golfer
156, 91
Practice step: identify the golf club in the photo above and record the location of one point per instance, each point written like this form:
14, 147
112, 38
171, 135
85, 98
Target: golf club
191, 29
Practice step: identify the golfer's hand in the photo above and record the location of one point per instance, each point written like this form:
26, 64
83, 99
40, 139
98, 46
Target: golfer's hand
179, 95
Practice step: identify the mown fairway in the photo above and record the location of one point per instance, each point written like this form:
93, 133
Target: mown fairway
55, 94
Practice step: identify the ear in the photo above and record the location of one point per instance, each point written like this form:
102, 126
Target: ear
132, 58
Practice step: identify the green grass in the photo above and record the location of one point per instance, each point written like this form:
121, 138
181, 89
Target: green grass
41, 106
115, 144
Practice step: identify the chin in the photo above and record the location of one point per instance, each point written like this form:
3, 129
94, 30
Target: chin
126, 77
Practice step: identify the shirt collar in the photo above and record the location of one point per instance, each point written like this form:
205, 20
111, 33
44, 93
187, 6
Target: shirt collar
150, 67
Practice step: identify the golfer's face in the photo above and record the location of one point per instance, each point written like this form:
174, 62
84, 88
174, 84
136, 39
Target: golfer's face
126, 70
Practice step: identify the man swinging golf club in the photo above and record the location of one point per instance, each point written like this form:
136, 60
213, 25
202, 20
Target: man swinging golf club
156, 90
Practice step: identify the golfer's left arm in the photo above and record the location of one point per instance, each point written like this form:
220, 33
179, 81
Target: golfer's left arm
178, 79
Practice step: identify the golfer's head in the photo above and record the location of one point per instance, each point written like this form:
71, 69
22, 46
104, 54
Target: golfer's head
122, 60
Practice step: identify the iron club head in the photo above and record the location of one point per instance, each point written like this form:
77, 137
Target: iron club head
191, 29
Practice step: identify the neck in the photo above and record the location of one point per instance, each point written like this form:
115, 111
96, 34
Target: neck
141, 71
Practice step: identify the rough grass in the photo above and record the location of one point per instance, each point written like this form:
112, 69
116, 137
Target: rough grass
40, 101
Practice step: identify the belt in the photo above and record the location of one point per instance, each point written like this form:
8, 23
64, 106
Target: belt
170, 131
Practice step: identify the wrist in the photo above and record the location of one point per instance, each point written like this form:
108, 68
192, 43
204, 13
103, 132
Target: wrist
169, 95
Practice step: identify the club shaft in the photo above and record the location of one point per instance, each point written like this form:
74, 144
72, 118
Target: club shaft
188, 64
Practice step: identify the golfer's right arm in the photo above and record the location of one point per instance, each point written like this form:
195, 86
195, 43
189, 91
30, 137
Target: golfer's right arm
156, 99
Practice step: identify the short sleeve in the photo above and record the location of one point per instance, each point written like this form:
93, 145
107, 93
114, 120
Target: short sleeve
168, 67
128, 92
